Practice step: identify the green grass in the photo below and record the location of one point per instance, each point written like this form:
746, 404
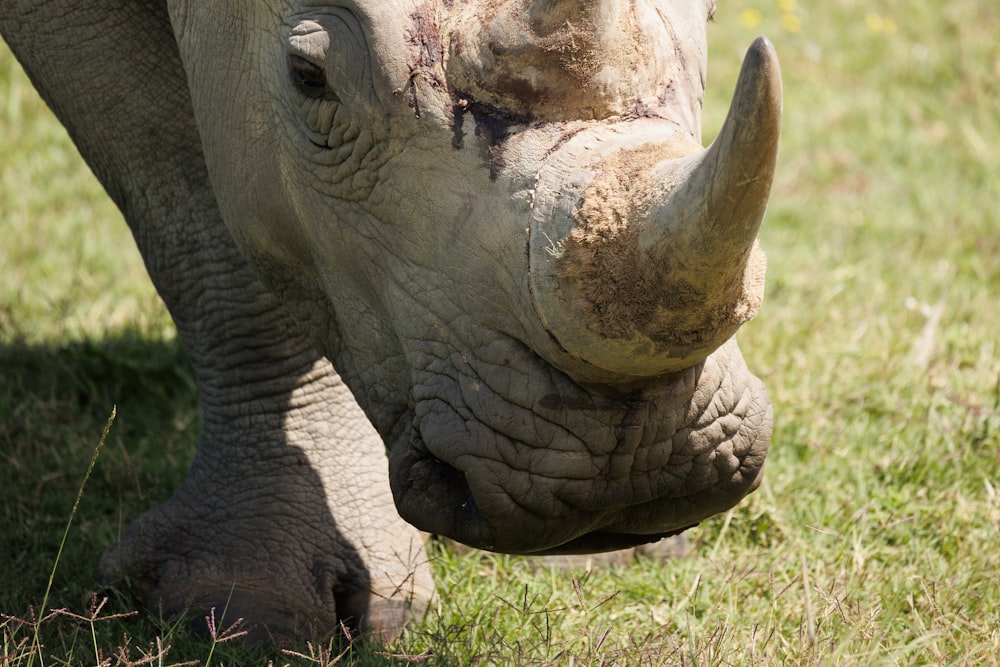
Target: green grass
875, 538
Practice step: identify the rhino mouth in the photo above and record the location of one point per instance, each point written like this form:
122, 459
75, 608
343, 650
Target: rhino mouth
603, 541
530, 462
446, 506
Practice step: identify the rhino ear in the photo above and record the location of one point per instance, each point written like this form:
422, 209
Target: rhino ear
657, 264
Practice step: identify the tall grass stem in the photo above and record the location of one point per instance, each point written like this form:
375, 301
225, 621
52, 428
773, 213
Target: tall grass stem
35, 643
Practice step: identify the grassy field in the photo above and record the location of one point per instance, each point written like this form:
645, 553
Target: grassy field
875, 538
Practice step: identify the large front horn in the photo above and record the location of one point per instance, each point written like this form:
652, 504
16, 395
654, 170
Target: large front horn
643, 254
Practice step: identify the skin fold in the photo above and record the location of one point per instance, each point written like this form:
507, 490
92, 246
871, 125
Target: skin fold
465, 264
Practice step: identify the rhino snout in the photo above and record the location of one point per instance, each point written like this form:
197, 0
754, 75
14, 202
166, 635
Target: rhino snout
538, 464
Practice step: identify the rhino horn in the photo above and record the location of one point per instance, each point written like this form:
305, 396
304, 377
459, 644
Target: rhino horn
656, 265
565, 60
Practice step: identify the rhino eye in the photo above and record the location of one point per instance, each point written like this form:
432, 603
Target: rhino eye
308, 79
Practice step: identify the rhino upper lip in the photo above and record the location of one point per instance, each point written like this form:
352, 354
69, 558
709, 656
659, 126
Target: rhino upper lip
457, 439
467, 521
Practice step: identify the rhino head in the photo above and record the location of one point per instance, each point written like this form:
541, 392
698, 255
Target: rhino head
498, 220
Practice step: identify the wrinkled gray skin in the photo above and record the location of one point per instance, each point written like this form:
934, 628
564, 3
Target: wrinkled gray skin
494, 219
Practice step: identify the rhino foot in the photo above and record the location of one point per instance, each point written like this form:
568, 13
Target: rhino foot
268, 577
284, 520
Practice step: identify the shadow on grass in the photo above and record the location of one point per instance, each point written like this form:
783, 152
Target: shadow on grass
54, 404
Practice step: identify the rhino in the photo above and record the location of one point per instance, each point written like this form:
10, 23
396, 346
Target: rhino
448, 267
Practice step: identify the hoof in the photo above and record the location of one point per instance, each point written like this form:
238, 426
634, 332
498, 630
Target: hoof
263, 596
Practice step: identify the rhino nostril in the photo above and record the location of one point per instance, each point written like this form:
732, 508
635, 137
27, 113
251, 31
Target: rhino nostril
433, 495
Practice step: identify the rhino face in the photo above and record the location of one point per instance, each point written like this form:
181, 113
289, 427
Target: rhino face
498, 220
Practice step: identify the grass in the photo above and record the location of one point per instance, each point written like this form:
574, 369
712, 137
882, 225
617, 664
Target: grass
874, 537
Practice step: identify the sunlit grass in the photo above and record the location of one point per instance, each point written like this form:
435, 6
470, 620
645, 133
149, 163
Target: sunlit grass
70, 268
873, 539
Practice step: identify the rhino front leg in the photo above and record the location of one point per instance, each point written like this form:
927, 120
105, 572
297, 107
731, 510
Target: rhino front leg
286, 514
276, 523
